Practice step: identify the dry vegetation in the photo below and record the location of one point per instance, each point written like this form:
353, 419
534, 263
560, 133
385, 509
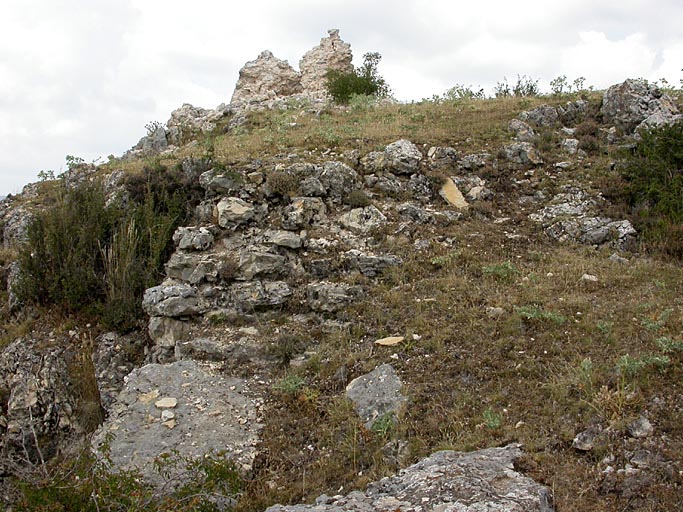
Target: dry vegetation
564, 355
560, 354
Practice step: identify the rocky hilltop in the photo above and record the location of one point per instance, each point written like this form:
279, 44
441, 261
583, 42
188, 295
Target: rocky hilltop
339, 315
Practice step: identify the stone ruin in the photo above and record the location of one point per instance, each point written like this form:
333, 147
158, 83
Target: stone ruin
268, 78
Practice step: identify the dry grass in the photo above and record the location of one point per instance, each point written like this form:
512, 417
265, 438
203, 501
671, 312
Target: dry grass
564, 355
537, 375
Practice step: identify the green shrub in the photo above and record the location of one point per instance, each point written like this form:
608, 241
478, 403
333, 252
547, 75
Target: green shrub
62, 262
463, 92
362, 81
525, 86
84, 256
654, 175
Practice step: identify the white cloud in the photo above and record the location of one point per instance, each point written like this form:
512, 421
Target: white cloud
605, 62
81, 77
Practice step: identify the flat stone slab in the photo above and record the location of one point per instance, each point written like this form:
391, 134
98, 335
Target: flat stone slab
446, 481
376, 394
184, 406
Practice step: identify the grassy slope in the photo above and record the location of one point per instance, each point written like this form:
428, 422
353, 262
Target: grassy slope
564, 355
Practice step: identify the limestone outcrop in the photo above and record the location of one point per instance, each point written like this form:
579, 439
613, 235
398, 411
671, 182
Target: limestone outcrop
265, 78
446, 481
636, 104
268, 79
331, 54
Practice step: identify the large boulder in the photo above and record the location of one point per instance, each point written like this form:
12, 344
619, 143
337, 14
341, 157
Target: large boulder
171, 300
332, 54
447, 481
362, 220
189, 121
637, 104
233, 211
402, 157
39, 408
184, 408
377, 395
264, 79
573, 215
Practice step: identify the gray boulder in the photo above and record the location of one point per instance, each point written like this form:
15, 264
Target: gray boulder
635, 103
15, 226
183, 407
362, 220
172, 300
447, 481
192, 268
339, 180
572, 215
167, 332
442, 157
303, 212
218, 181
40, 404
114, 357
155, 142
373, 162
259, 262
541, 116
234, 211
282, 239
377, 394
193, 238
330, 297
257, 294
369, 264
474, 161
523, 154
189, 121
523, 132
402, 157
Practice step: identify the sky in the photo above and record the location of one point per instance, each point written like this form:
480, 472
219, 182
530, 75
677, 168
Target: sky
83, 77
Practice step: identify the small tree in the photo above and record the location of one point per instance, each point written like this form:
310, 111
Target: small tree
364, 80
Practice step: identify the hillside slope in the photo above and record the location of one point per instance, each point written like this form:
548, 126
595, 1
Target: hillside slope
479, 241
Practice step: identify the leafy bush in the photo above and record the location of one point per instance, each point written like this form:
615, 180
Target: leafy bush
85, 256
362, 81
463, 92
525, 86
654, 175
62, 262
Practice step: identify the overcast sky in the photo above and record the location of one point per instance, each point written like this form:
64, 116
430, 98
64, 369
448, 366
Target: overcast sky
83, 77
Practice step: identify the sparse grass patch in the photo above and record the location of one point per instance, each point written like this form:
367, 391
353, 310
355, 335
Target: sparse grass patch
504, 271
535, 313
